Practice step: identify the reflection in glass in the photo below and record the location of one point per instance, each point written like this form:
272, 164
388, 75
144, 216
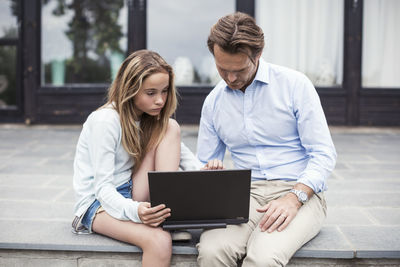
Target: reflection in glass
304, 35
83, 41
8, 67
9, 18
381, 43
178, 31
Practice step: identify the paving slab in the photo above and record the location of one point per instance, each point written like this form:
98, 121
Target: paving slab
28, 180
329, 243
363, 185
348, 216
38, 210
374, 241
385, 216
363, 199
34, 193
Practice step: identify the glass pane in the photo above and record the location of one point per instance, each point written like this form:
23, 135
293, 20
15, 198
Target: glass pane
8, 67
304, 35
178, 31
381, 43
9, 18
82, 41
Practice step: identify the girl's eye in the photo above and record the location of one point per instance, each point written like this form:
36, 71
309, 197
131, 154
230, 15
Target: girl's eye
150, 93
165, 91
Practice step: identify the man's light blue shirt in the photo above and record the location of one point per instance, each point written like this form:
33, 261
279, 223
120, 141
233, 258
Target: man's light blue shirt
276, 128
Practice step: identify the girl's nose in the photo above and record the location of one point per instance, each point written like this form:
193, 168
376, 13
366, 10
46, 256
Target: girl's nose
159, 100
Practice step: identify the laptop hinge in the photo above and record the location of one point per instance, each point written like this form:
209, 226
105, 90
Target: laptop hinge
193, 226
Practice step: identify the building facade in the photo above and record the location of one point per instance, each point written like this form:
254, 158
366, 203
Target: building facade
58, 57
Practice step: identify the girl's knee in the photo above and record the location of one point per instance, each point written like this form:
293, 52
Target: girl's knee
164, 238
159, 243
173, 128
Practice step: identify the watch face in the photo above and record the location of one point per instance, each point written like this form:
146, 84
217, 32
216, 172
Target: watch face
303, 197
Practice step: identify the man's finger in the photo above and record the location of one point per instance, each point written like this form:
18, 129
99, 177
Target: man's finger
271, 218
277, 223
285, 223
267, 211
263, 221
264, 208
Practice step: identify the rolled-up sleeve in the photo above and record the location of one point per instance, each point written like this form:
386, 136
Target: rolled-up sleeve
314, 135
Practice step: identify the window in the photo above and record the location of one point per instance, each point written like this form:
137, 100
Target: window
8, 53
83, 41
9, 19
8, 67
381, 43
178, 31
306, 36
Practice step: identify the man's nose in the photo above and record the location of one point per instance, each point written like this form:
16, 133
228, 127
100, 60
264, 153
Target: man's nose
232, 77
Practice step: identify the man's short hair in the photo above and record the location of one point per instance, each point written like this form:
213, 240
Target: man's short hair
237, 32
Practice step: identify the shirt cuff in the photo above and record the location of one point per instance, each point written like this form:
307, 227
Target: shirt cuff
132, 211
314, 180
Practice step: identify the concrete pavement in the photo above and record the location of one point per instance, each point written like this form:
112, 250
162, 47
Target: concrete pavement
36, 200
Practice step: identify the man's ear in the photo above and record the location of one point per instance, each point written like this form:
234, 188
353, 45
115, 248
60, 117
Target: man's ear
258, 56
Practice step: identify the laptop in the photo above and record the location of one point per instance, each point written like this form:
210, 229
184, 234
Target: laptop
202, 199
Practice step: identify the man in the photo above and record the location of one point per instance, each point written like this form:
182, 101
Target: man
271, 120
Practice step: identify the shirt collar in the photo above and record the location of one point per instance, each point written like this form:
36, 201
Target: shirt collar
262, 74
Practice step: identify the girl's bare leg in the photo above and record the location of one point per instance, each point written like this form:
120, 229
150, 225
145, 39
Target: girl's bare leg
165, 157
155, 243
168, 152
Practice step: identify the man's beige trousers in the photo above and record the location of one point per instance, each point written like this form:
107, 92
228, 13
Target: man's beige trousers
224, 247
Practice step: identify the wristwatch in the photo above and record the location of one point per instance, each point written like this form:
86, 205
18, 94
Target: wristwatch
301, 195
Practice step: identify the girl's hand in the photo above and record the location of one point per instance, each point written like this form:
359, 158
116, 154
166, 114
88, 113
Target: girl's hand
153, 216
214, 164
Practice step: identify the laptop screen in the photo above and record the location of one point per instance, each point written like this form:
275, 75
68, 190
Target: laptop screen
202, 199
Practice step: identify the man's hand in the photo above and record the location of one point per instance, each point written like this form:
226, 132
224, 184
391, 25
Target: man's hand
214, 164
279, 213
153, 216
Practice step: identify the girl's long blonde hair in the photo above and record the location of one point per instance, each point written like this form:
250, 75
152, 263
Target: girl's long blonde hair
139, 138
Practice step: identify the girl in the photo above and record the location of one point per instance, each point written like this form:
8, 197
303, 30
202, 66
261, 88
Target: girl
119, 143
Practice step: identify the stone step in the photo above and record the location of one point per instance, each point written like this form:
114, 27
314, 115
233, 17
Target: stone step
40, 258
51, 243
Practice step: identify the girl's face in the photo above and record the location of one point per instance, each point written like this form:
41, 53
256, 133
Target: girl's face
152, 95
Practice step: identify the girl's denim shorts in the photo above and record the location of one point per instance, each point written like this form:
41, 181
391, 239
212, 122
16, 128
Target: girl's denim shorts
87, 220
